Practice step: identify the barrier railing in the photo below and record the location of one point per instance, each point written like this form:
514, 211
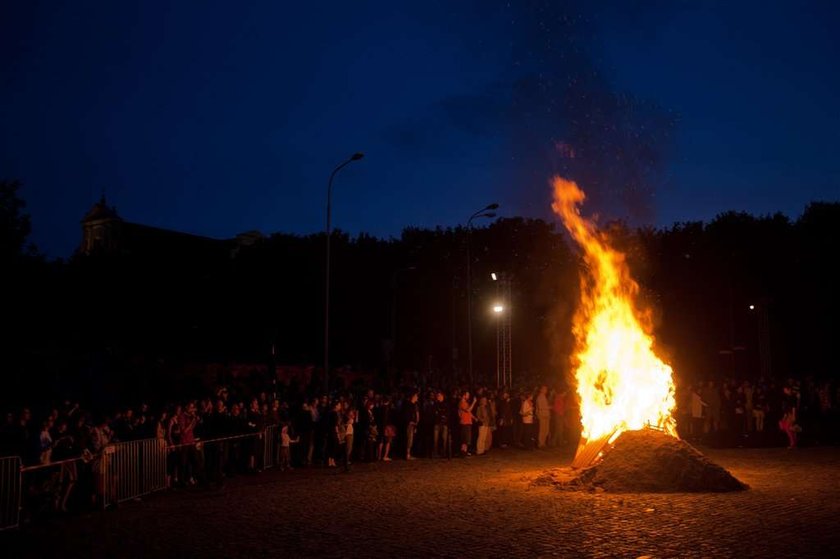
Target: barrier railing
46, 488
132, 469
10, 492
210, 460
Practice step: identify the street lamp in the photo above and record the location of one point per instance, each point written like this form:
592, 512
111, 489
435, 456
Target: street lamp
498, 309
488, 212
355, 157
502, 308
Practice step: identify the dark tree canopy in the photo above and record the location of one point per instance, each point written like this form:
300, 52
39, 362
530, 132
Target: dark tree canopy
133, 321
15, 223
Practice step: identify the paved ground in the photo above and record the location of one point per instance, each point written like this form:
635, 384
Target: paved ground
477, 507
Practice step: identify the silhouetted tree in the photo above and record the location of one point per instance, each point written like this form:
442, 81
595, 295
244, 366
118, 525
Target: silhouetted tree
138, 323
15, 225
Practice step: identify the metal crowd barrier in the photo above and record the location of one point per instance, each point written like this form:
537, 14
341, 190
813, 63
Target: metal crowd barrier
131, 469
10, 492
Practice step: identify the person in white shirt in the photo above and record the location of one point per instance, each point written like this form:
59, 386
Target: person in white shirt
286, 441
526, 412
348, 436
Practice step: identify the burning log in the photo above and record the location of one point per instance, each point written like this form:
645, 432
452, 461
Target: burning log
589, 451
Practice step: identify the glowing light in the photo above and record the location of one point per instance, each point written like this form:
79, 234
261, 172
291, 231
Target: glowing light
621, 383
493, 275
498, 309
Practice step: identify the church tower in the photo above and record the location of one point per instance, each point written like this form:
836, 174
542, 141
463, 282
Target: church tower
101, 229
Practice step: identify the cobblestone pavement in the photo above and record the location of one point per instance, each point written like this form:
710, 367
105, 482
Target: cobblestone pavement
475, 507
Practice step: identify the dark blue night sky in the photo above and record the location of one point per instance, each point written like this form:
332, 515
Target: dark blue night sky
216, 118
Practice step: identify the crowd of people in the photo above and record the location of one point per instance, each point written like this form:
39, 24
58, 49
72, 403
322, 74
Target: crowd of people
219, 436
761, 413
222, 435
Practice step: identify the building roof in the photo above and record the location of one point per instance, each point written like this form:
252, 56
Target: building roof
101, 210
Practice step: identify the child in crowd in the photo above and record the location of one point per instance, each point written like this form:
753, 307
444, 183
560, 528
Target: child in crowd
286, 441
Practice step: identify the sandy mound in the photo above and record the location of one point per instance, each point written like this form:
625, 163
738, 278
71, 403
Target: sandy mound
647, 461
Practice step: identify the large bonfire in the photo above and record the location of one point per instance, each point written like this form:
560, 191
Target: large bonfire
621, 382
623, 386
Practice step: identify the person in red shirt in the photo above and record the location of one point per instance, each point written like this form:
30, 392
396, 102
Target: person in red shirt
465, 420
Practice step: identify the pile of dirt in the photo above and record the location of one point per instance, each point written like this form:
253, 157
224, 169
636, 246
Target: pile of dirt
647, 461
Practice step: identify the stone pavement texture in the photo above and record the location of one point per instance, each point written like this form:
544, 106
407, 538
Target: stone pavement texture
474, 507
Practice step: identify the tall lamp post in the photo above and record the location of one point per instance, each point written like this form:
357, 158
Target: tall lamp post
486, 211
502, 310
355, 157
498, 309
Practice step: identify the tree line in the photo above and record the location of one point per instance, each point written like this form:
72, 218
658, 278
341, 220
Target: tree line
740, 295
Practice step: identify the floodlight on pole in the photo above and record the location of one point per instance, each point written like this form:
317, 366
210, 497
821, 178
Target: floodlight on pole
486, 211
502, 307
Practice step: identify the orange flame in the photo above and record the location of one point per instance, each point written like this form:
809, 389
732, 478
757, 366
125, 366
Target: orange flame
621, 383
